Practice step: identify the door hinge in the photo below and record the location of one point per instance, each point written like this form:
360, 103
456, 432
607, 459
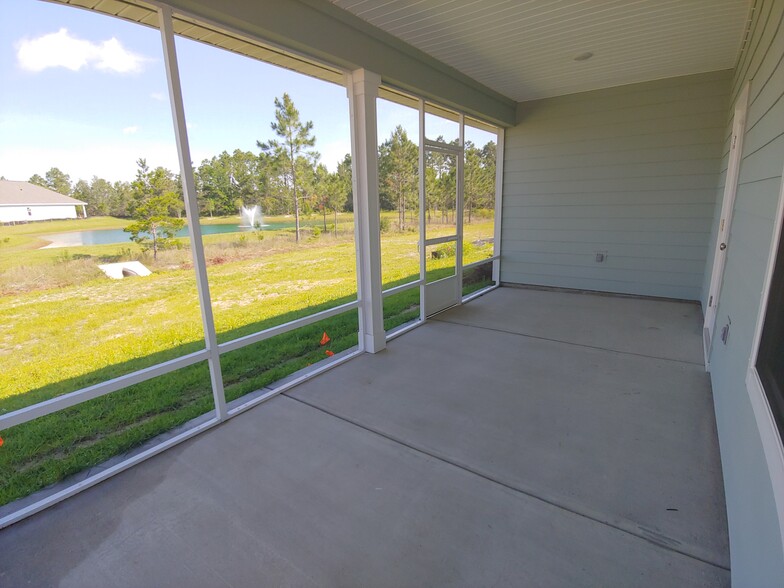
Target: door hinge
734, 140
710, 301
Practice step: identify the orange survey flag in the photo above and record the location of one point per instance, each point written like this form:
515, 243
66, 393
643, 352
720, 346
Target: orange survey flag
324, 339
329, 353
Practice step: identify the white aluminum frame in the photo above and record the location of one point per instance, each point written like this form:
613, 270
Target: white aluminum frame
459, 210
497, 216
401, 288
46, 407
437, 288
211, 354
499, 197
191, 207
241, 342
422, 216
362, 89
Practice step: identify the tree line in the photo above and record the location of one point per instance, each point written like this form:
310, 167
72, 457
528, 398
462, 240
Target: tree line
287, 177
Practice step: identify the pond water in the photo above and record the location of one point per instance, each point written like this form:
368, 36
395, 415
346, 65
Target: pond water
112, 236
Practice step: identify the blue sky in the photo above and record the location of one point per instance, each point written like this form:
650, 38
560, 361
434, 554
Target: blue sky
87, 93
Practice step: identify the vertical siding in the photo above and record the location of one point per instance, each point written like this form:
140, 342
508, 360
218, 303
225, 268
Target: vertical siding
630, 171
755, 539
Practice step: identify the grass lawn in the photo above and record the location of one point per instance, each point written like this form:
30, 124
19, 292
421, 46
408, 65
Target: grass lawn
54, 340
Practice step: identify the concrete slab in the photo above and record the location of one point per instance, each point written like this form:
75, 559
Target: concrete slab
621, 438
655, 328
286, 495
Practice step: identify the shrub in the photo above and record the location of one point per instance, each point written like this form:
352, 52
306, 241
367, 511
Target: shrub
443, 251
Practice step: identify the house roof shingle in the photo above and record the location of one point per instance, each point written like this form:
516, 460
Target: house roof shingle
14, 193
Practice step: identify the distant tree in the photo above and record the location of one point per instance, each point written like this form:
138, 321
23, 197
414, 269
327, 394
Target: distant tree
227, 178
54, 179
98, 193
81, 191
154, 228
150, 183
307, 183
340, 189
322, 184
440, 184
154, 199
345, 182
398, 171
58, 181
479, 177
294, 140
120, 199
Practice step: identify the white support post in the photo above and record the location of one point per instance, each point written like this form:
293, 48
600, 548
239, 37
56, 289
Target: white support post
362, 87
422, 217
459, 204
192, 208
499, 192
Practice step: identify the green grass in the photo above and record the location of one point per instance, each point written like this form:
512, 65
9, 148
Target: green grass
60, 339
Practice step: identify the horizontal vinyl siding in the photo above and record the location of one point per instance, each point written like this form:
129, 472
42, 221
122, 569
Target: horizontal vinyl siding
630, 171
38, 212
755, 537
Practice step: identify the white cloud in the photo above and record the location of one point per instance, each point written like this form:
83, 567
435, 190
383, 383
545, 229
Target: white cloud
130, 130
159, 96
61, 49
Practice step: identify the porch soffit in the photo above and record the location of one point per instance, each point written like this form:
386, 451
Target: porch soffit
526, 49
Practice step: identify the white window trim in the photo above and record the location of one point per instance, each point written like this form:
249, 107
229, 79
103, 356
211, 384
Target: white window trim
769, 434
725, 220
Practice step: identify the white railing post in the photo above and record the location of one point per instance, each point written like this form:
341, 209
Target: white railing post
499, 203
422, 218
192, 208
459, 205
362, 87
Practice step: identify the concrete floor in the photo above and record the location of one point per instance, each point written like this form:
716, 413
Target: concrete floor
528, 438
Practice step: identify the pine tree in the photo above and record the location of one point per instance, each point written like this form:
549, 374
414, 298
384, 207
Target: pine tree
398, 168
295, 138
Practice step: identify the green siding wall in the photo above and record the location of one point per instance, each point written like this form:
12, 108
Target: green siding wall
630, 171
755, 539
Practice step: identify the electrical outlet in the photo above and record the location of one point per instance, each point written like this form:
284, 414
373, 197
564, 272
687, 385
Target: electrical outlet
601, 256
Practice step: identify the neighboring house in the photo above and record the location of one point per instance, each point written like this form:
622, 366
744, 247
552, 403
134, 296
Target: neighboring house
23, 202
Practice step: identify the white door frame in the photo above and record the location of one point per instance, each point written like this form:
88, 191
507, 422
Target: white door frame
725, 220
446, 292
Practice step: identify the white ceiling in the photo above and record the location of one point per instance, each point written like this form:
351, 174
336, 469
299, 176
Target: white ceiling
525, 49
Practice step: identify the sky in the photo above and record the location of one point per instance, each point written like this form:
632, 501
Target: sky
87, 93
